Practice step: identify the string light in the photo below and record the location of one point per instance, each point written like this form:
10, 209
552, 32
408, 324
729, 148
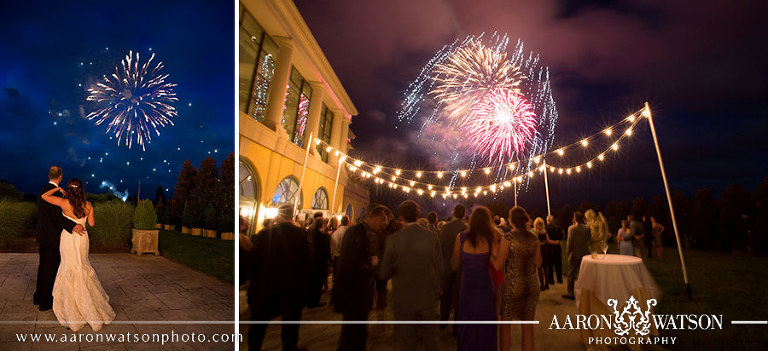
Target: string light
354, 165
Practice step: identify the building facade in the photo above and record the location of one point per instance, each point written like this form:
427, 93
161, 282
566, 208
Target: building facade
288, 92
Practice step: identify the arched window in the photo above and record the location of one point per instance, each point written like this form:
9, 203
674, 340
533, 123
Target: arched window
348, 212
249, 193
320, 200
287, 191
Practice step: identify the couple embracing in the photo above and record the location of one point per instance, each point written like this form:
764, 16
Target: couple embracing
66, 281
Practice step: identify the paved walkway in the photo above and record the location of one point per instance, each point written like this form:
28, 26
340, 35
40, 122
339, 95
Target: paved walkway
146, 288
381, 337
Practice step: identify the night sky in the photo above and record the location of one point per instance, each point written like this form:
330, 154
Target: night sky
701, 66
51, 52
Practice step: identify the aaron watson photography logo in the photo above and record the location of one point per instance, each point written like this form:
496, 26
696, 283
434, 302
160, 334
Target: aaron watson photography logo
631, 325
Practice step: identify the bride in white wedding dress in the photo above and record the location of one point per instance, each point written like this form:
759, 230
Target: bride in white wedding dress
78, 297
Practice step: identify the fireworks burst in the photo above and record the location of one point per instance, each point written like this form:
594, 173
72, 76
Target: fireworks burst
138, 101
502, 124
469, 74
485, 105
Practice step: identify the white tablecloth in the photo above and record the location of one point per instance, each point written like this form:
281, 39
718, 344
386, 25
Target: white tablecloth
614, 277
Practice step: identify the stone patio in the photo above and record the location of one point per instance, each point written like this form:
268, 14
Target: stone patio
146, 288
382, 337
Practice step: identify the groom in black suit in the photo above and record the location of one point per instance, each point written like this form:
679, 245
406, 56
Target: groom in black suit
50, 222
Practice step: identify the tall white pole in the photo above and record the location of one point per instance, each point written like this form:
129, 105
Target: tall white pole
301, 180
514, 181
546, 188
336, 185
647, 113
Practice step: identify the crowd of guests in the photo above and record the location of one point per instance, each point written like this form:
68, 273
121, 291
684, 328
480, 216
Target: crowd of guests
476, 268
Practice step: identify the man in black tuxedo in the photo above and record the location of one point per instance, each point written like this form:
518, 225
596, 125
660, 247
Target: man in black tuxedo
50, 222
280, 264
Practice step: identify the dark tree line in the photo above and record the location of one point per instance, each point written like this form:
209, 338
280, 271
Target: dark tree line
737, 220
202, 197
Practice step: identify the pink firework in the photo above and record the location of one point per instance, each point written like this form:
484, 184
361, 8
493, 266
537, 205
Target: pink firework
501, 125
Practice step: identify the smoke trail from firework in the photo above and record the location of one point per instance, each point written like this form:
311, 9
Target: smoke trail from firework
138, 100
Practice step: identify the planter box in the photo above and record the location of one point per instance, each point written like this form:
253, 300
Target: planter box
185, 230
144, 241
228, 236
158, 226
196, 231
208, 233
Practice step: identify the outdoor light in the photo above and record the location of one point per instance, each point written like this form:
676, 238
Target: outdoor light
397, 172
615, 146
328, 149
530, 174
377, 170
412, 183
463, 173
560, 152
487, 171
336, 154
537, 159
647, 112
601, 157
584, 143
420, 192
507, 184
520, 179
429, 186
608, 131
589, 164
358, 163
568, 171
560, 171
631, 118
393, 178
463, 190
439, 174
629, 131
418, 174
432, 194
578, 169
493, 188
317, 141
479, 189
512, 165
270, 212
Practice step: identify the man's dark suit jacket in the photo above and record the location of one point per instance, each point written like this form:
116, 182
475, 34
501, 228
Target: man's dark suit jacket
280, 262
353, 289
50, 220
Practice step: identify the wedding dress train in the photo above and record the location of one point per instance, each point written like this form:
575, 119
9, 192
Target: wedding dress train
78, 297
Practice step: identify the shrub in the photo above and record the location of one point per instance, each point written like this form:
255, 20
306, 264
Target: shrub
15, 218
9, 192
211, 221
187, 216
99, 198
113, 224
227, 222
144, 218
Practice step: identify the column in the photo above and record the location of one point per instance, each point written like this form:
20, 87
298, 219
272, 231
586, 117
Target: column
313, 118
279, 85
338, 116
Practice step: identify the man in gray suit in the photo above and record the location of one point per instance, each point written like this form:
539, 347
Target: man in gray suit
451, 281
577, 247
414, 261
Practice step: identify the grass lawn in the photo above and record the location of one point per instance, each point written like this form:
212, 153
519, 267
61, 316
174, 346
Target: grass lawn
215, 257
728, 284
